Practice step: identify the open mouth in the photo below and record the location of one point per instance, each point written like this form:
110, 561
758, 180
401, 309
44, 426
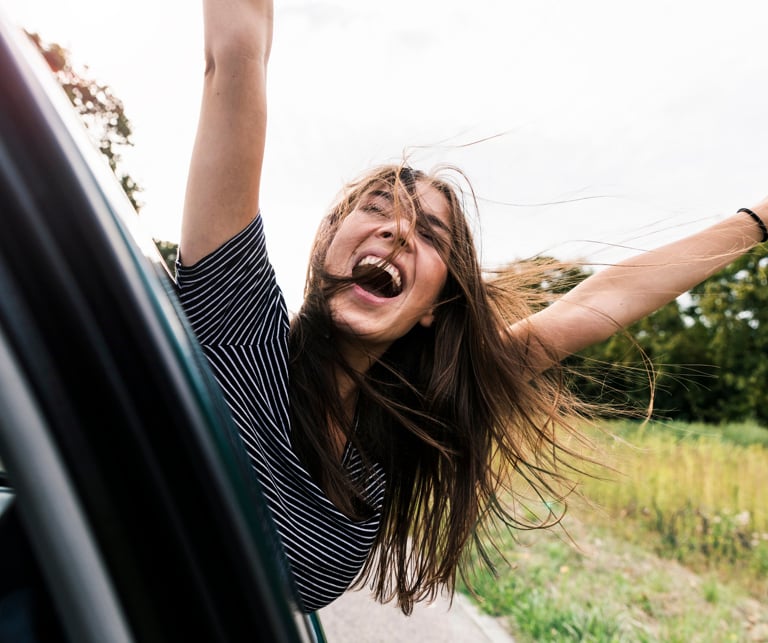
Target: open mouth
378, 277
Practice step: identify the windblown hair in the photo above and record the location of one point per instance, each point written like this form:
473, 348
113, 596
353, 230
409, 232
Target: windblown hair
454, 413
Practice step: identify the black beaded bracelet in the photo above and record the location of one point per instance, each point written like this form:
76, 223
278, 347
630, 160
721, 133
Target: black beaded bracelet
758, 221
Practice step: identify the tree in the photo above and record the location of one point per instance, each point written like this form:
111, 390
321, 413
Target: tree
700, 358
101, 111
169, 252
104, 117
730, 312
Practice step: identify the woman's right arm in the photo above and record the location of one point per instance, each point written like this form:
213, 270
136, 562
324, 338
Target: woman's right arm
222, 194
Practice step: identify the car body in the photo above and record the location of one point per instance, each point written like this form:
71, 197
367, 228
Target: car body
127, 511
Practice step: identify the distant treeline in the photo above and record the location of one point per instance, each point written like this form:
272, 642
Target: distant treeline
703, 357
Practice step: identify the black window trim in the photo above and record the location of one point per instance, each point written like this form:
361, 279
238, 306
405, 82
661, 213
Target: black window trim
52, 515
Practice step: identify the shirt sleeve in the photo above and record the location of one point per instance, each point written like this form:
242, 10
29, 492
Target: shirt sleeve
231, 296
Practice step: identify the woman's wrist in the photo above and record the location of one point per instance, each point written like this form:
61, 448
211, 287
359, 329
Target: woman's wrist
759, 218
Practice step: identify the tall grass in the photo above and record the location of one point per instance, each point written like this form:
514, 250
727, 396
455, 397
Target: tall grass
703, 491
694, 494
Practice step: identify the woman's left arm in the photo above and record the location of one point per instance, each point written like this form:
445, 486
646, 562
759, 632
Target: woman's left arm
616, 297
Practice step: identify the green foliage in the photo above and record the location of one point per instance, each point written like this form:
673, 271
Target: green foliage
101, 111
700, 358
103, 115
699, 493
531, 600
731, 311
592, 586
743, 434
690, 494
169, 252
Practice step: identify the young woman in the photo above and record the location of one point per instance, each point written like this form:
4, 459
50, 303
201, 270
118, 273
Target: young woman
387, 416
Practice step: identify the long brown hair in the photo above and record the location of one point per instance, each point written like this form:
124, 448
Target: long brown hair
450, 412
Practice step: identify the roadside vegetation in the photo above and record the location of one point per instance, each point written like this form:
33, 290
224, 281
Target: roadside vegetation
669, 545
669, 540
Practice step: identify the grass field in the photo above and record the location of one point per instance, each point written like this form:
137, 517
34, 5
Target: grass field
673, 546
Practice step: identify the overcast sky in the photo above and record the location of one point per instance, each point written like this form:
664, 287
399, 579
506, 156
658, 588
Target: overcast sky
645, 119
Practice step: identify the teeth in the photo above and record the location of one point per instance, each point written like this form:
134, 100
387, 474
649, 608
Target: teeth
393, 272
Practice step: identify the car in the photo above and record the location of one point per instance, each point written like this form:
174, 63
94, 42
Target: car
127, 509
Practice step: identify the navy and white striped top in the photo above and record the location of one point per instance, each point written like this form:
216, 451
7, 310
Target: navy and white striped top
238, 313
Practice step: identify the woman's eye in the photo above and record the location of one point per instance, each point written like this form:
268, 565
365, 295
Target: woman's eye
427, 233
373, 208
433, 238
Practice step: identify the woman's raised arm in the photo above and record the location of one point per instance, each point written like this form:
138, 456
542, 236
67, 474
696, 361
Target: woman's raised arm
222, 194
616, 297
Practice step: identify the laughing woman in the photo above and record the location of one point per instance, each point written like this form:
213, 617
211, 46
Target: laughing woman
385, 418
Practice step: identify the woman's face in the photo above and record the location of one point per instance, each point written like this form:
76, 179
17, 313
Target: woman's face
391, 295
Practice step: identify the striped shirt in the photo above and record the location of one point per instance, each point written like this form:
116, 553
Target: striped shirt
238, 314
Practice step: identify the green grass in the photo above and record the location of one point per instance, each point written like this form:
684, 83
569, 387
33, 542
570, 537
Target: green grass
740, 434
700, 493
605, 589
531, 595
673, 548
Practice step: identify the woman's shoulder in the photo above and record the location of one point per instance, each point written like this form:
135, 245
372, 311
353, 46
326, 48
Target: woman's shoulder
250, 241
231, 295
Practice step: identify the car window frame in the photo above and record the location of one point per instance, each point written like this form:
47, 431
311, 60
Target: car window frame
149, 295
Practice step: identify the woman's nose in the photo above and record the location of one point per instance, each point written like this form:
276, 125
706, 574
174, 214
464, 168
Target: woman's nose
398, 232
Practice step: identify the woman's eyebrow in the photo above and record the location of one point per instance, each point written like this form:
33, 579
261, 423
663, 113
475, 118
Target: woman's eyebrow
380, 193
432, 219
436, 222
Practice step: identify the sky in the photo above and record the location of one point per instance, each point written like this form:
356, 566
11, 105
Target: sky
589, 130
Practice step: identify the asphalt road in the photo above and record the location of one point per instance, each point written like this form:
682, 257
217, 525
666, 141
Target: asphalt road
356, 618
